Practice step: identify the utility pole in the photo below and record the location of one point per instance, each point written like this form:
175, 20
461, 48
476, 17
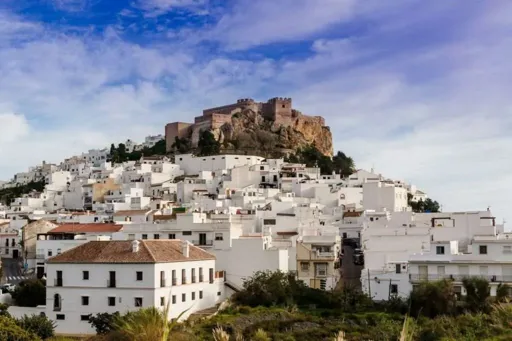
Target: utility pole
369, 285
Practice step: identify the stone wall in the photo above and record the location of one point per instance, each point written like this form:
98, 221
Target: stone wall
173, 130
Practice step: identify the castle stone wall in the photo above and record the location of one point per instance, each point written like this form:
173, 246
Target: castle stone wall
173, 130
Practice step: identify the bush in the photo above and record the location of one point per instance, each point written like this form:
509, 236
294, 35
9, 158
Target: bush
433, 298
30, 293
103, 323
37, 324
10, 331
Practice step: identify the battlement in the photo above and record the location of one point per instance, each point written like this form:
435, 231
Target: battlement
245, 101
280, 99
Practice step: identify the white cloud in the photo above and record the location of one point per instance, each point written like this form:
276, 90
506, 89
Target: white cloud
252, 23
154, 8
72, 5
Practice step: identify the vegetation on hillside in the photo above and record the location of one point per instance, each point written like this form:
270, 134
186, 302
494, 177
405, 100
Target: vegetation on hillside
119, 154
421, 206
7, 195
312, 157
30, 293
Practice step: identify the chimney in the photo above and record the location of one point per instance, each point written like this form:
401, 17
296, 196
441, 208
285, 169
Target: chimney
135, 246
185, 248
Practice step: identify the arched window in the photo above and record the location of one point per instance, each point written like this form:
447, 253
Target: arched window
57, 302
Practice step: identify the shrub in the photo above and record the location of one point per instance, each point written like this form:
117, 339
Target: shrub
30, 293
10, 331
37, 324
103, 323
433, 298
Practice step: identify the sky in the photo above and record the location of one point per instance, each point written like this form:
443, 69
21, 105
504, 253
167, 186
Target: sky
418, 90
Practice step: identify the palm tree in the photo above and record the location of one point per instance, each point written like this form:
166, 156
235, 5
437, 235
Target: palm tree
147, 324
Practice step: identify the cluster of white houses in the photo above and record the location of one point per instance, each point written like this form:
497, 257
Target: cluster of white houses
187, 233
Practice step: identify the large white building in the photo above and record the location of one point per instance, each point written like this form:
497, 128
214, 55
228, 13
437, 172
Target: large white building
110, 276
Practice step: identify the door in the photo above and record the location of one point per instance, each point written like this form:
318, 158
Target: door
423, 272
441, 272
112, 279
15, 254
202, 238
40, 271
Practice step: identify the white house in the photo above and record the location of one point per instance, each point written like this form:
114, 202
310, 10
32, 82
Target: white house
110, 276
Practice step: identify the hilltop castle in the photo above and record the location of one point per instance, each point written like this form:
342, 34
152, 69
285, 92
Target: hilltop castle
277, 109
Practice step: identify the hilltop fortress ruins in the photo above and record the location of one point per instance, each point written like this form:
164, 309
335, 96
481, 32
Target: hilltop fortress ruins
278, 109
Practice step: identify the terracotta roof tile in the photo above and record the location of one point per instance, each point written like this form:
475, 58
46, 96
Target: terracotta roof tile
86, 228
130, 212
120, 251
352, 214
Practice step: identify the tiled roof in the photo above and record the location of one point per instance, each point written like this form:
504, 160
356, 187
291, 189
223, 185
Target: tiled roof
120, 251
352, 214
165, 217
130, 212
86, 228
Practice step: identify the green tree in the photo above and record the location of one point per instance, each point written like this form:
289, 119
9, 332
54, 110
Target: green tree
503, 292
207, 144
181, 145
10, 331
343, 164
30, 293
103, 323
478, 293
433, 298
37, 324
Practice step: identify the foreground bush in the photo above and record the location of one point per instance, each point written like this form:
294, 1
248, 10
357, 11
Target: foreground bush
37, 324
10, 331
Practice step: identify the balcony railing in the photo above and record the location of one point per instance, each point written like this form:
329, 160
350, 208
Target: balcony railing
111, 283
183, 280
162, 283
457, 278
202, 242
57, 282
174, 281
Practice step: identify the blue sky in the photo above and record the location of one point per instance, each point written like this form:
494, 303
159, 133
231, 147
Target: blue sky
417, 89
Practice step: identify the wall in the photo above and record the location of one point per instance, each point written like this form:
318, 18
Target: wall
30, 237
173, 130
100, 189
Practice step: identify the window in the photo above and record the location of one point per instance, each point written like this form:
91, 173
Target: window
200, 294
85, 275
162, 301
183, 276
304, 266
56, 302
139, 276
85, 300
183, 297
398, 269
201, 275
193, 275
138, 301
507, 249
262, 167
187, 233
321, 269
219, 293
211, 275
50, 253
394, 289
84, 317
173, 299
483, 249
440, 250
262, 179
144, 236
174, 280
219, 236
172, 236
269, 221
111, 301
61, 317
193, 295
162, 279
157, 236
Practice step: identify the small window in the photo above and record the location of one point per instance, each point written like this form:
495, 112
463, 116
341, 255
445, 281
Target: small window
394, 288
172, 236
219, 293
111, 301
60, 317
219, 236
162, 301
144, 236
440, 250
507, 249
85, 300
139, 276
262, 168
50, 253
84, 317
304, 266
200, 294
85, 275
173, 299
483, 249
269, 221
183, 297
157, 236
398, 269
187, 233
138, 301
193, 295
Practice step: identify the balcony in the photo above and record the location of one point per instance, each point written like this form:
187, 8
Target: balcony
174, 281
111, 283
202, 242
323, 255
57, 282
163, 283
